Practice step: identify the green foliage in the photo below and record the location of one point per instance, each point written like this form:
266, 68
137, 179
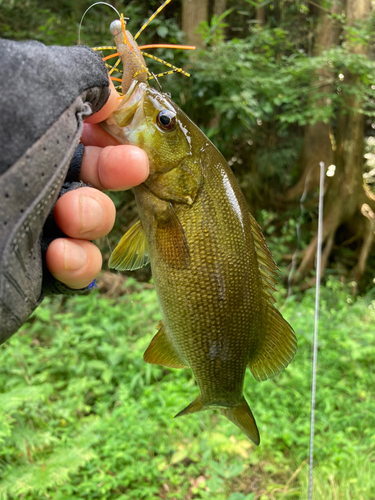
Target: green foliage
253, 96
84, 417
213, 32
262, 78
55, 22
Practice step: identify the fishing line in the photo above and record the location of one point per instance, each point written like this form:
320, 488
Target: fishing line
91, 6
316, 320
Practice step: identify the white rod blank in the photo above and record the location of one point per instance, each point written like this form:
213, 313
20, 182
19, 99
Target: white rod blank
315, 343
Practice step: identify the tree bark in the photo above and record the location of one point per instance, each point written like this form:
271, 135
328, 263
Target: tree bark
193, 13
346, 201
318, 144
260, 16
219, 7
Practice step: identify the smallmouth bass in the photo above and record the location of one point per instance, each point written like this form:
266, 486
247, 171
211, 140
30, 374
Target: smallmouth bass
212, 269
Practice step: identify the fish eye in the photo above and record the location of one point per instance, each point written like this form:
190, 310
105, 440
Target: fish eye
166, 120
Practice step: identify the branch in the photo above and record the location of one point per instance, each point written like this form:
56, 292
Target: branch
319, 6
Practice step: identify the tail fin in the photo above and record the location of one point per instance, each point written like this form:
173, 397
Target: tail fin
193, 407
242, 417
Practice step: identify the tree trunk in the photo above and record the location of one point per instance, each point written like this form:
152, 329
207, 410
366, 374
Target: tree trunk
193, 13
219, 7
346, 201
318, 144
260, 16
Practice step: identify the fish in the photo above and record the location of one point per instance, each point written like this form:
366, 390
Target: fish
213, 272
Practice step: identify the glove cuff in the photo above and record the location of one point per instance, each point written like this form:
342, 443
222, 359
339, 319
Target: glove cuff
75, 165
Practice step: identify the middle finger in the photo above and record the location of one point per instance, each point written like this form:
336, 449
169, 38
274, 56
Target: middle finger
85, 213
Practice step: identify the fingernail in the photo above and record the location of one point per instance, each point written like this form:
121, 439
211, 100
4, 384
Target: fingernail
143, 162
91, 213
75, 256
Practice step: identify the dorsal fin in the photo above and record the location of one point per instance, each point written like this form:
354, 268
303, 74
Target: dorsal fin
267, 266
278, 341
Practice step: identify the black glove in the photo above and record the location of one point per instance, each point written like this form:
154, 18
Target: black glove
45, 93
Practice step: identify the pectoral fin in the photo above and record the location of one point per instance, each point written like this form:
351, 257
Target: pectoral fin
242, 417
161, 351
170, 238
132, 250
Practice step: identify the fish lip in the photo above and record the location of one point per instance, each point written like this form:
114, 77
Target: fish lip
135, 91
132, 99
128, 93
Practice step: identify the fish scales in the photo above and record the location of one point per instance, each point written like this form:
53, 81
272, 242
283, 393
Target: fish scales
210, 264
217, 292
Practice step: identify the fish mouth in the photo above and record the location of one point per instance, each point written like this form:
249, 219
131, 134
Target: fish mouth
128, 115
132, 94
130, 103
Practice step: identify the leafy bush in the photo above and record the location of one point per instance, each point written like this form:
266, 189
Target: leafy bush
84, 417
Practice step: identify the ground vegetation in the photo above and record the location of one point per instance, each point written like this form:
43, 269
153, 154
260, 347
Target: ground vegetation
82, 416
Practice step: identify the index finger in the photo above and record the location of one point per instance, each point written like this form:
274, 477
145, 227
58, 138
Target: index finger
109, 107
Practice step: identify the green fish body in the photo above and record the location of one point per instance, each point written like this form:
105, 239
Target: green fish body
212, 269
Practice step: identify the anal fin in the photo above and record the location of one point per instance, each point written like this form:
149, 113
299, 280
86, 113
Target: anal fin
161, 351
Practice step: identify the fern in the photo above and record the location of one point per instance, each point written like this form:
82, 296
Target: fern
38, 477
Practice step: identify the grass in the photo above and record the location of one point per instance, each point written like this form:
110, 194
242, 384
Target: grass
83, 417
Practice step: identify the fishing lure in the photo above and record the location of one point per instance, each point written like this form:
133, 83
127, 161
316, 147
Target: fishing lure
131, 56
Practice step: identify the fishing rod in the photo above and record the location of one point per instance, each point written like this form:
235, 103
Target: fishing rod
316, 324
317, 299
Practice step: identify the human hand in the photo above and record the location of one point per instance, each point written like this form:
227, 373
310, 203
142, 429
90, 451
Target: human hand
42, 109
86, 213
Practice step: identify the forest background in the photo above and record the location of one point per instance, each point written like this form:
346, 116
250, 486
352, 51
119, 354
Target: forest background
278, 86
